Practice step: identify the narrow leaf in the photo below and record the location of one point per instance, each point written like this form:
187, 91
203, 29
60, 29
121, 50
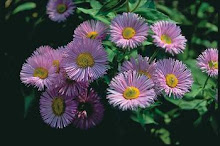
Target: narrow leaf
24, 6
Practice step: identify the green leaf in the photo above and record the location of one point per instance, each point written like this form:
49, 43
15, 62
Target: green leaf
198, 104
144, 119
110, 6
24, 6
28, 101
164, 135
152, 15
106, 78
92, 13
174, 14
205, 7
103, 19
146, 43
149, 4
95, 4
206, 43
111, 54
205, 24
195, 90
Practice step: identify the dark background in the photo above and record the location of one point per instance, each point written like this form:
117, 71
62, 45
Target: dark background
18, 40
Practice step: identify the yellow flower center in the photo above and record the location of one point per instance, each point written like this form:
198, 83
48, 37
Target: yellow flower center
144, 73
56, 63
171, 80
166, 39
41, 72
92, 35
85, 60
58, 106
213, 64
61, 8
128, 32
131, 93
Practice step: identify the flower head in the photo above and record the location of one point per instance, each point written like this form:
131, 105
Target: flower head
172, 77
56, 57
38, 71
91, 29
128, 30
42, 50
140, 65
208, 61
85, 60
59, 10
56, 109
167, 35
69, 87
130, 90
89, 110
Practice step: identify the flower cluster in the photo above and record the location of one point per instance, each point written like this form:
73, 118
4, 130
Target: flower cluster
66, 73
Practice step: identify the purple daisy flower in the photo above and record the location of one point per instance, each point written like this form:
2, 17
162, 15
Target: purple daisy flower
42, 50
56, 109
168, 35
38, 71
85, 60
56, 57
62, 49
89, 111
172, 77
208, 61
130, 90
91, 29
59, 10
69, 87
141, 65
128, 30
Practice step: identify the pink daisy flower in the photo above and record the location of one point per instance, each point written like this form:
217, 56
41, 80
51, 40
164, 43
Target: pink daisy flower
208, 61
140, 65
38, 71
42, 50
167, 35
59, 10
89, 111
172, 77
69, 87
91, 29
56, 109
85, 60
128, 30
130, 90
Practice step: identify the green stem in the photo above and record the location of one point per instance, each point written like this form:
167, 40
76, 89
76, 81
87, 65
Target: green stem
136, 6
204, 85
154, 55
127, 2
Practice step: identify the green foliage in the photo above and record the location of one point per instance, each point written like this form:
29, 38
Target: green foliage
24, 7
111, 6
143, 117
152, 15
174, 14
164, 135
28, 100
